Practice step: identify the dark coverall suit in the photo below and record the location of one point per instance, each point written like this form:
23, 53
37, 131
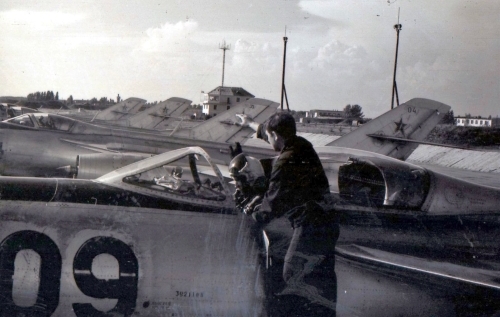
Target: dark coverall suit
299, 190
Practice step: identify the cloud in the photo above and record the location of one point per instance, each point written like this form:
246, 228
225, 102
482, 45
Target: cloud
38, 20
168, 35
337, 54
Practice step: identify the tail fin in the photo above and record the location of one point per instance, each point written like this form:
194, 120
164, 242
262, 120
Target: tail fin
121, 110
223, 128
162, 116
396, 133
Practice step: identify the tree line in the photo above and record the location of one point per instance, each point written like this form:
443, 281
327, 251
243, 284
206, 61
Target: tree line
43, 96
50, 96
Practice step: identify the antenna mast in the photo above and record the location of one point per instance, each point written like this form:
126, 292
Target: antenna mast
398, 28
283, 89
224, 48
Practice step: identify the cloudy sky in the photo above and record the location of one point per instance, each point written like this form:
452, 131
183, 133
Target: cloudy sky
339, 52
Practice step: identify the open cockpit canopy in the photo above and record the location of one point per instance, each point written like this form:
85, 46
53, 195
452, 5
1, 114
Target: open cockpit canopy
42, 120
374, 182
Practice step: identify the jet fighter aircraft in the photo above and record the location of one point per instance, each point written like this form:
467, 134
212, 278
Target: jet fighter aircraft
128, 244
10, 110
161, 237
51, 145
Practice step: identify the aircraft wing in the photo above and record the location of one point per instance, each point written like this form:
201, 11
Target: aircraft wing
482, 277
404, 140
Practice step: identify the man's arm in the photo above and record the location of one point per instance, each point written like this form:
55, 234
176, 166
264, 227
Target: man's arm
277, 197
247, 122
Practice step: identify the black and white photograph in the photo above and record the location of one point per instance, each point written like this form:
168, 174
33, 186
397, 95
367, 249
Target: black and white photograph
283, 158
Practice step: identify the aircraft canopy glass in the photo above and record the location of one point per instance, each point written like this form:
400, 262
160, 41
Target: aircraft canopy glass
43, 121
23, 120
374, 182
190, 176
53, 122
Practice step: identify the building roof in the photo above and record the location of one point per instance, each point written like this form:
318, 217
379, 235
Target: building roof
232, 91
317, 110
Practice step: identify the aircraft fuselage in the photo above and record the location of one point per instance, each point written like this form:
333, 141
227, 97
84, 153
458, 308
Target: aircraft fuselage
44, 153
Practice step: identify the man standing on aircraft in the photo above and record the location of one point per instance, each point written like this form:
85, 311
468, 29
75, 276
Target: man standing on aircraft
299, 190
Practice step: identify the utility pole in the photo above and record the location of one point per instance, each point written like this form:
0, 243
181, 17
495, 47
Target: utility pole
283, 89
398, 28
224, 48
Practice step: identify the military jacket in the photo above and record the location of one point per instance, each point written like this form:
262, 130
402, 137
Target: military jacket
298, 187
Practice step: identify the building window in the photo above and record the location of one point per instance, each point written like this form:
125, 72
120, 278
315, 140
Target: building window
228, 100
228, 107
238, 99
215, 107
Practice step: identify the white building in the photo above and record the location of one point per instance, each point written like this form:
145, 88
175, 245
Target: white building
315, 113
222, 98
474, 122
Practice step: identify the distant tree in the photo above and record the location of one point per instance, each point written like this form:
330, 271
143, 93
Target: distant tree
353, 112
467, 115
57, 95
93, 101
70, 99
297, 115
448, 118
489, 117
